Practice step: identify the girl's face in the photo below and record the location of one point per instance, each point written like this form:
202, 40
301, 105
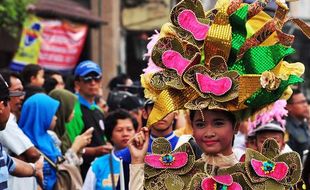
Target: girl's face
53, 123
214, 134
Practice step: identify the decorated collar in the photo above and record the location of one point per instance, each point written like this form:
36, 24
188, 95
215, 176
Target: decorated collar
220, 160
168, 137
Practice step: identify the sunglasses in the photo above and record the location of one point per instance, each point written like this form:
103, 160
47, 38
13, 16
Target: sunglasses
17, 93
91, 78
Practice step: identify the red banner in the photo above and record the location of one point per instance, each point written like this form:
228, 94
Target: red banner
53, 44
61, 45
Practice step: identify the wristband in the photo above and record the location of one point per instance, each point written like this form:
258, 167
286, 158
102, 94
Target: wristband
34, 169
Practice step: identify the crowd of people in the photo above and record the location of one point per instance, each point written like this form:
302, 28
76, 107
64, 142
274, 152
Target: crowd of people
58, 123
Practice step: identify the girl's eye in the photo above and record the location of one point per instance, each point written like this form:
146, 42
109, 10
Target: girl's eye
199, 124
219, 124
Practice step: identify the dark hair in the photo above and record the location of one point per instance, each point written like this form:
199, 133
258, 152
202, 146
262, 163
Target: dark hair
30, 70
232, 118
52, 72
49, 84
120, 79
6, 74
295, 91
4, 91
111, 121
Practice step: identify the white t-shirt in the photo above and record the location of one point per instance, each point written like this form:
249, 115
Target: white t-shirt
15, 141
13, 138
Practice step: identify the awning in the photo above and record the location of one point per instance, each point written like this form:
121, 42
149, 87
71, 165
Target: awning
67, 9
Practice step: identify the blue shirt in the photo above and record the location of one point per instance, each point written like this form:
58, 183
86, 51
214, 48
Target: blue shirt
7, 165
102, 170
125, 153
85, 103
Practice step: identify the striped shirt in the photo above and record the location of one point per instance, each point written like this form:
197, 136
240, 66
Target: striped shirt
7, 166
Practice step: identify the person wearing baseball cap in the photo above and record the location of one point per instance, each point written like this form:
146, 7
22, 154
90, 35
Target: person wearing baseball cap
86, 67
270, 123
87, 114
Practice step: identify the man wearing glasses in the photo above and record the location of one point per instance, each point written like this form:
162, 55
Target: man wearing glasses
296, 125
87, 114
12, 137
8, 164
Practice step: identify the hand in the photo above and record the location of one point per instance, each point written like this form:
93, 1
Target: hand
39, 171
104, 149
138, 146
82, 140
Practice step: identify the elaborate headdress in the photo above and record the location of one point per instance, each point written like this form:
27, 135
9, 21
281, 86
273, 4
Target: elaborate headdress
229, 58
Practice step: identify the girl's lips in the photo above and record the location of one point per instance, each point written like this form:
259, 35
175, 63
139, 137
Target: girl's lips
211, 142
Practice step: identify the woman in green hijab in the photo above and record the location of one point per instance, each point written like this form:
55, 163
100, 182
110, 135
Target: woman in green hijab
64, 114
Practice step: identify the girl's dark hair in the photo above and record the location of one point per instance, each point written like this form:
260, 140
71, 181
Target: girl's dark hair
232, 118
29, 71
111, 121
118, 80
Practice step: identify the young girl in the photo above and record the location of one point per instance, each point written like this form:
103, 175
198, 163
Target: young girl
213, 131
217, 63
37, 117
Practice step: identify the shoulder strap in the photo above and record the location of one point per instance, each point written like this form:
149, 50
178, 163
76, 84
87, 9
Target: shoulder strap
54, 165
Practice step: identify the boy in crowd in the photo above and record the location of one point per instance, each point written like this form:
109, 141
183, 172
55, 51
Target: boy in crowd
33, 79
270, 123
163, 128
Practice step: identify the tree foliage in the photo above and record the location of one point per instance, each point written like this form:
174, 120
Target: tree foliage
12, 15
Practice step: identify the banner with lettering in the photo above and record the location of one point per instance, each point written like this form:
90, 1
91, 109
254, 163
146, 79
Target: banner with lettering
53, 44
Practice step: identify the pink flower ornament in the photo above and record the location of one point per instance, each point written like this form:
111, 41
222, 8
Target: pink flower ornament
189, 22
167, 161
223, 182
174, 60
269, 169
217, 87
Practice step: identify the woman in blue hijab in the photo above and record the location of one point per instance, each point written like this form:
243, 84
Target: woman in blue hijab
38, 116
